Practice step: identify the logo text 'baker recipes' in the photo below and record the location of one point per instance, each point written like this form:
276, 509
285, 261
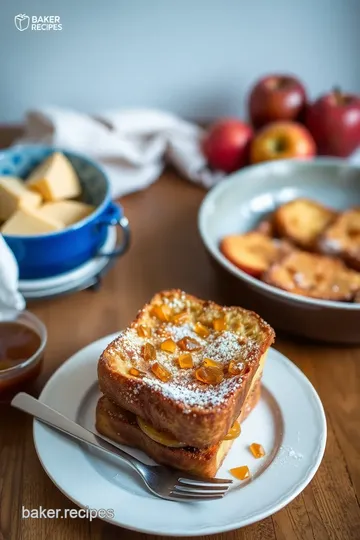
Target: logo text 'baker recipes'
37, 22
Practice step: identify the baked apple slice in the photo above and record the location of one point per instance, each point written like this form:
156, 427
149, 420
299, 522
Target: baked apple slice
315, 276
302, 221
252, 252
343, 238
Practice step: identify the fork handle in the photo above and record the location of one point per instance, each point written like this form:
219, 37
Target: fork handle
53, 418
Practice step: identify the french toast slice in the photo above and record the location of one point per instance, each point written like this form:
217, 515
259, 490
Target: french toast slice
222, 347
343, 238
315, 276
122, 427
253, 252
302, 220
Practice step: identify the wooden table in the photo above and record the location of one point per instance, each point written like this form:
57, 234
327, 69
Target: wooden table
167, 252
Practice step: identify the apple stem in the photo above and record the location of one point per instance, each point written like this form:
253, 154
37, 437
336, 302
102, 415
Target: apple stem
339, 97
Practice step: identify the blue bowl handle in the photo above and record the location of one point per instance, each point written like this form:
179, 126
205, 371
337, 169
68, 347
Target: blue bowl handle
114, 218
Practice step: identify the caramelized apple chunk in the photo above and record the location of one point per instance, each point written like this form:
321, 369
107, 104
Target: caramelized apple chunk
257, 450
219, 324
185, 361
234, 432
209, 375
236, 368
161, 372
208, 362
241, 473
180, 318
162, 312
188, 343
201, 330
143, 331
168, 346
148, 352
136, 373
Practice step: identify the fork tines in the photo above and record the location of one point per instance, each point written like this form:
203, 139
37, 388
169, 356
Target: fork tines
200, 489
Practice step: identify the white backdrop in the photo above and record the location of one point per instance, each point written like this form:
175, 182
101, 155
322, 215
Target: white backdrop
192, 57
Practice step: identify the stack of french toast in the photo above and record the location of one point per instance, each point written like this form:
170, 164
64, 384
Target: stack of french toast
303, 248
178, 382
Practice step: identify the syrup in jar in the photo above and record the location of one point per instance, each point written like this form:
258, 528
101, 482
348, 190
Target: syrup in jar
18, 343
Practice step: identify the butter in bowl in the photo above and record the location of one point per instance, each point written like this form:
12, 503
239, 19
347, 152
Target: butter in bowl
42, 202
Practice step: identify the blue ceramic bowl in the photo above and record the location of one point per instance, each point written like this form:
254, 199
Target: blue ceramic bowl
47, 255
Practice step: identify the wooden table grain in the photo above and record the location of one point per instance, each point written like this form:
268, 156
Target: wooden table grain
167, 252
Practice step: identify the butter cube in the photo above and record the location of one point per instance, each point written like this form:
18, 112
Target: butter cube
27, 221
55, 179
67, 212
13, 195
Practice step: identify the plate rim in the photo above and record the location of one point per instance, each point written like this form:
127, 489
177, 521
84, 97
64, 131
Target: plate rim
206, 530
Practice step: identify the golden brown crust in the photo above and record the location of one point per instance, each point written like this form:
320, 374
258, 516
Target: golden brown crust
121, 426
197, 414
253, 252
343, 238
302, 221
314, 276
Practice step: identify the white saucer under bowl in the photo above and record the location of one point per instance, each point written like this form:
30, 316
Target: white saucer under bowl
289, 422
41, 288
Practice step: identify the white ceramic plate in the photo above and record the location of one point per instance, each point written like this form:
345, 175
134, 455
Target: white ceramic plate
289, 422
72, 278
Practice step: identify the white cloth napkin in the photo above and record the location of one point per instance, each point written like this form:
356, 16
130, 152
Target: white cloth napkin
132, 145
10, 298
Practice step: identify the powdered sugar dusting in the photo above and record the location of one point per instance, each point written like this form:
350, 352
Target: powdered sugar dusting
286, 453
223, 348
183, 387
132, 344
177, 303
179, 332
330, 246
299, 279
192, 394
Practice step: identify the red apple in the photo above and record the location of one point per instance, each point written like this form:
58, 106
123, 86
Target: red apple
226, 145
282, 140
334, 121
276, 97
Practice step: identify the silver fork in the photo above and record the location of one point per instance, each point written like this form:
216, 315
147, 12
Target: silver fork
161, 481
